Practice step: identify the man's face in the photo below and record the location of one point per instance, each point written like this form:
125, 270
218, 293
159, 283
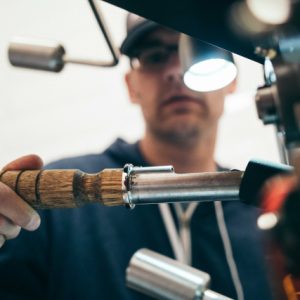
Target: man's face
171, 110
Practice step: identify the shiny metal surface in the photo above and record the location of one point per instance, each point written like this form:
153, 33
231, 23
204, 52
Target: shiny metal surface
130, 169
164, 278
49, 56
157, 169
211, 295
171, 187
46, 56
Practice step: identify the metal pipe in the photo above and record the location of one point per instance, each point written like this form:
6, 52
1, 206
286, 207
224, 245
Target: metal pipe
40, 55
141, 185
161, 277
50, 56
167, 186
46, 55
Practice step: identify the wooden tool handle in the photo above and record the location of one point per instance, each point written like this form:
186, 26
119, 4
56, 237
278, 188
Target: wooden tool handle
65, 188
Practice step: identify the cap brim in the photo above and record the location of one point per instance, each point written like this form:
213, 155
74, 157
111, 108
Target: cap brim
135, 35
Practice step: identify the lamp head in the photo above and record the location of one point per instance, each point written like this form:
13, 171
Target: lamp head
206, 67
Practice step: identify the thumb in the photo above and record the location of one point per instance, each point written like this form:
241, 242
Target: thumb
30, 162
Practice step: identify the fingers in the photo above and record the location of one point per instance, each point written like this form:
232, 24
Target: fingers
14, 211
7, 229
2, 240
28, 162
11, 205
17, 210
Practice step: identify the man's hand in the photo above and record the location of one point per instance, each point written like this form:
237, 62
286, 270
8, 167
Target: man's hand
15, 212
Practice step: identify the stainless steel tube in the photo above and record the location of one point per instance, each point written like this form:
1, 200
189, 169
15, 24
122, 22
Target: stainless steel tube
171, 187
163, 278
46, 56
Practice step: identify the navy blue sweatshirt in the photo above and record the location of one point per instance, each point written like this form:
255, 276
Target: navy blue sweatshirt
83, 253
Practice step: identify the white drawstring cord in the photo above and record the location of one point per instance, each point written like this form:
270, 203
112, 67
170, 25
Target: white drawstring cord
184, 218
172, 233
228, 250
181, 245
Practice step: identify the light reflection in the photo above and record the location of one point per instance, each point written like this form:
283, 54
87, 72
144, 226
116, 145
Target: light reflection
270, 11
210, 75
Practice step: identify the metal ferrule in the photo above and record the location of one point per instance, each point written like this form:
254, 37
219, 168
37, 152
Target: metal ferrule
132, 172
153, 185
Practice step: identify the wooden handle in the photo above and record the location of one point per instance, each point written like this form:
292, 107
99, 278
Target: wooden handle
66, 188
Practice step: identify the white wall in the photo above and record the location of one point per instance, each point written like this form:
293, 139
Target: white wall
83, 109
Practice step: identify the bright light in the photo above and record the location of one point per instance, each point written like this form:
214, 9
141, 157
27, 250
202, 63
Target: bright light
269, 71
270, 11
210, 75
267, 221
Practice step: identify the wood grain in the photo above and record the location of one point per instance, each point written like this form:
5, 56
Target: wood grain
66, 188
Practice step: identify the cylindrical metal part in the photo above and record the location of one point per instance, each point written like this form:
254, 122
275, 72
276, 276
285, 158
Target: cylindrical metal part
72, 188
211, 295
157, 169
172, 187
46, 56
164, 278
265, 104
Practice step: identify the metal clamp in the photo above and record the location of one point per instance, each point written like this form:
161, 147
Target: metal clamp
131, 171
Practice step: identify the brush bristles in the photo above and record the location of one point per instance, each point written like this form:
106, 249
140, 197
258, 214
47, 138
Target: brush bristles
111, 187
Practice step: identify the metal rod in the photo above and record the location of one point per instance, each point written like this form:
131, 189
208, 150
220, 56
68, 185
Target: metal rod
283, 154
87, 62
171, 187
100, 21
52, 57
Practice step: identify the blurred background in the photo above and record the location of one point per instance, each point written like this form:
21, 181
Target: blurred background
84, 109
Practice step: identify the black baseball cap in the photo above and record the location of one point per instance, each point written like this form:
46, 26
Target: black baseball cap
137, 27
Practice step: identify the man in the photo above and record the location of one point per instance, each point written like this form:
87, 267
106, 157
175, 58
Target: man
83, 253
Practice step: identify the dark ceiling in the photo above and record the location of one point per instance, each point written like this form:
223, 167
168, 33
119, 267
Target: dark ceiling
204, 19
